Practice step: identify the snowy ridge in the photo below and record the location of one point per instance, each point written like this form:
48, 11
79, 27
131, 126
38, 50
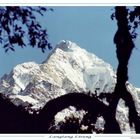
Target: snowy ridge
67, 69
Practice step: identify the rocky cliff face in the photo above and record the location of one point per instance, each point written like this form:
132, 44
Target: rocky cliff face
68, 68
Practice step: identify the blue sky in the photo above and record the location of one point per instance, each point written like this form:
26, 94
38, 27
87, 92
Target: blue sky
89, 27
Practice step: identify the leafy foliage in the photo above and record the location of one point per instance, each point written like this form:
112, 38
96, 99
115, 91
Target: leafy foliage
17, 23
133, 16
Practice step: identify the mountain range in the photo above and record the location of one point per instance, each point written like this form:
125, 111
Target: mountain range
68, 68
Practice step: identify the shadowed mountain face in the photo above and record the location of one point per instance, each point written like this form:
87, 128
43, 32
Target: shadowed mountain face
46, 86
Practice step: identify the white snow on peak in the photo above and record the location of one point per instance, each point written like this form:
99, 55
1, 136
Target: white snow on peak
91, 72
68, 68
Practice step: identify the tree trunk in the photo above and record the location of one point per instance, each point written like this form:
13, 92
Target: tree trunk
124, 47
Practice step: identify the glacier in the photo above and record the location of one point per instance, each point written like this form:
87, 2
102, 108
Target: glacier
68, 68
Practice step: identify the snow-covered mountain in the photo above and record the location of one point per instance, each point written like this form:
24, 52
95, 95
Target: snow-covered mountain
68, 68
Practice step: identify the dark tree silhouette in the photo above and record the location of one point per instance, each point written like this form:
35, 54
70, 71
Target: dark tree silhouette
78, 100
124, 46
15, 119
19, 26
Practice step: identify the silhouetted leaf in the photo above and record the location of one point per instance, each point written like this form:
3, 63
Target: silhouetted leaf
6, 45
12, 48
11, 19
113, 16
132, 17
43, 8
6, 50
52, 9
49, 46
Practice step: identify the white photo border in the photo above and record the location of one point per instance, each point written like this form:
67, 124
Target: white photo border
69, 3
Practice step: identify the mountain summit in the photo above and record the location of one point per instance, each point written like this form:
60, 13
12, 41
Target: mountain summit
67, 69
